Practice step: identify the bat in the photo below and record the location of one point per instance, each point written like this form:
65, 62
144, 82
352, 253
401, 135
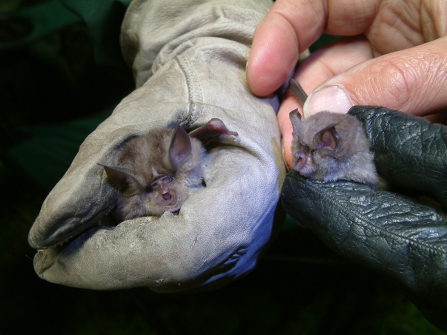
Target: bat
155, 172
330, 146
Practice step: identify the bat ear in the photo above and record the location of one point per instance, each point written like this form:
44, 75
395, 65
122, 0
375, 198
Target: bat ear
123, 181
180, 147
295, 119
211, 131
327, 138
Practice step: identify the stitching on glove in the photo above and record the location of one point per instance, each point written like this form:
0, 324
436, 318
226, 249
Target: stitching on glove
192, 82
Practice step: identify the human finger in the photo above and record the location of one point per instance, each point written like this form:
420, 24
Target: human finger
290, 27
411, 80
277, 43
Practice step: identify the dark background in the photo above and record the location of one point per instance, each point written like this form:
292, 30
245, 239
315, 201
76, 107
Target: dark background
56, 86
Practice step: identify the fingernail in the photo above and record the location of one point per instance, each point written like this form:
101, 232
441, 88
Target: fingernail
329, 98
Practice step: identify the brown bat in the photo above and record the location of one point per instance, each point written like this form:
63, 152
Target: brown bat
330, 146
155, 172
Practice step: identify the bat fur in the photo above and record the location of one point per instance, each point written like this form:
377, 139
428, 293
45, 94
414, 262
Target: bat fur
329, 146
154, 173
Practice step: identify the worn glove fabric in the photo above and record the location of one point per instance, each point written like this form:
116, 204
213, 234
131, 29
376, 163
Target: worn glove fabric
402, 236
189, 62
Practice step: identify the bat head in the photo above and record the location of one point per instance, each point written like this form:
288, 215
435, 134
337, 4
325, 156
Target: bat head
314, 144
155, 173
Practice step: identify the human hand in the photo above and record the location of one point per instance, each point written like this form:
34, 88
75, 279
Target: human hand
222, 228
393, 54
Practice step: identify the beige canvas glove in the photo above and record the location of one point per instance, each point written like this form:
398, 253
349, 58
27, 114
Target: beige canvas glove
189, 60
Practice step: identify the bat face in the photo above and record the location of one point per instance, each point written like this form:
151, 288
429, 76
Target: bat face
314, 145
328, 146
155, 173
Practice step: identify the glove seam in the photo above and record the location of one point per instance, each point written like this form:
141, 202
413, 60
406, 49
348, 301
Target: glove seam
195, 93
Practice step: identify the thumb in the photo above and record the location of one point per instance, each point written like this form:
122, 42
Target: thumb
412, 80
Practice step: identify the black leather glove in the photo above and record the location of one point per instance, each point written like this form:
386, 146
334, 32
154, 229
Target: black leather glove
401, 232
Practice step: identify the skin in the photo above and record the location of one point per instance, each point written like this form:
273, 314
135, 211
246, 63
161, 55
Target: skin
393, 54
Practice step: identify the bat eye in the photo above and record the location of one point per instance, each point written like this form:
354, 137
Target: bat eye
171, 178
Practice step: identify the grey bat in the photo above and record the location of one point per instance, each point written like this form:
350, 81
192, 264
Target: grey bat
155, 172
330, 146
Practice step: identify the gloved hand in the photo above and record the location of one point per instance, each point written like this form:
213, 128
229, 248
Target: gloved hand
189, 62
401, 235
